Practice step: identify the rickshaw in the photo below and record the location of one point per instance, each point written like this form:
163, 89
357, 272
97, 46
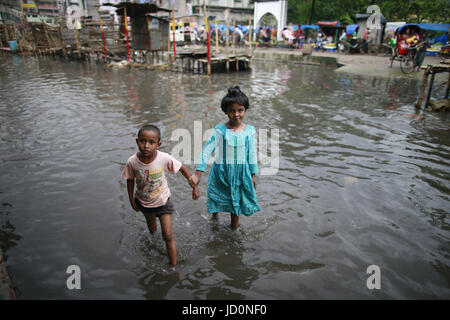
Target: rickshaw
405, 43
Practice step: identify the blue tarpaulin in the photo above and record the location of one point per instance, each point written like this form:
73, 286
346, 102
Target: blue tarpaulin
442, 39
351, 28
305, 26
435, 27
428, 26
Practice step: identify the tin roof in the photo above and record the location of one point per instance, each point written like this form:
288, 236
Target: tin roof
136, 9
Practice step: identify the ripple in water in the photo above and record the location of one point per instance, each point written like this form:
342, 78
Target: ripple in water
359, 183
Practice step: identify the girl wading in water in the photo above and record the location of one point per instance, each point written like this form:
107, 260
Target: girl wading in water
232, 178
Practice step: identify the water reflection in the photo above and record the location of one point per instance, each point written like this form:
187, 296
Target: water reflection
8, 234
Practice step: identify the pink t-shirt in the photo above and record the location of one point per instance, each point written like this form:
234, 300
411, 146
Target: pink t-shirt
152, 189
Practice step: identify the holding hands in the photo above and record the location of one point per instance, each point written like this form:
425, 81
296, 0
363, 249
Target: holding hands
194, 180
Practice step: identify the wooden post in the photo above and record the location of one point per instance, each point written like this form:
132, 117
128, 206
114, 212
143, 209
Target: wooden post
429, 89
47, 36
7, 33
19, 44
149, 40
103, 36
30, 37
168, 46
27, 30
60, 31
173, 34
422, 89
250, 47
226, 42
126, 32
77, 41
208, 46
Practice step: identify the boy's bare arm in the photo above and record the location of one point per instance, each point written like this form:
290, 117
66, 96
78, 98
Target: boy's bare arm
187, 174
130, 188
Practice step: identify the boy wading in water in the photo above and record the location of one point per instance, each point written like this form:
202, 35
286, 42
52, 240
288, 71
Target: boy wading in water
148, 167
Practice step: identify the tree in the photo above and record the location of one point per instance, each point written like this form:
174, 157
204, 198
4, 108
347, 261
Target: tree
415, 11
312, 11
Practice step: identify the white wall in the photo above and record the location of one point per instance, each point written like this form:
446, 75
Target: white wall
277, 8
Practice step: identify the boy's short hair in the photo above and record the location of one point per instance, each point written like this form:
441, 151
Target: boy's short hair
150, 127
234, 95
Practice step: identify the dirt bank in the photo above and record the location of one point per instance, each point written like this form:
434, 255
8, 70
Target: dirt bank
352, 63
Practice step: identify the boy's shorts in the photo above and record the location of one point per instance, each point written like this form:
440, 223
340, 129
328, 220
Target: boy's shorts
157, 211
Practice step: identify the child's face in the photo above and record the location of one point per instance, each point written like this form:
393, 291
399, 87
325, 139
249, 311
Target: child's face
236, 113
148, 142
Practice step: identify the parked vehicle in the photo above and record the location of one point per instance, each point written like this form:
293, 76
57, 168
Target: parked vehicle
444, 53
179, 35
405, 45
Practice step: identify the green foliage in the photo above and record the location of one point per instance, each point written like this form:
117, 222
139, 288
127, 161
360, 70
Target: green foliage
268, 20
415, 11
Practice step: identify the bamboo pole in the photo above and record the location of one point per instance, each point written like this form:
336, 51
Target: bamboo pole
250, 48
430, 87
126, 32
173, 34
103, 37
208, 47
226, 42
422, 89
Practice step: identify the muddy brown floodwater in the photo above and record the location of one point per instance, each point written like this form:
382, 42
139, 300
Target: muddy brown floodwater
358, 183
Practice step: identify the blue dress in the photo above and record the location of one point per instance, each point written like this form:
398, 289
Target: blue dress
230, 187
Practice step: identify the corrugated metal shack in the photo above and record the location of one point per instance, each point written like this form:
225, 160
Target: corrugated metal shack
149, 33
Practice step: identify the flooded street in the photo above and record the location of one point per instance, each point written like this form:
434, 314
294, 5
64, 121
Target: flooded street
359, 183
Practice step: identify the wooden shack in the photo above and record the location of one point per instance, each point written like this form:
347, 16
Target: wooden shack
148, 32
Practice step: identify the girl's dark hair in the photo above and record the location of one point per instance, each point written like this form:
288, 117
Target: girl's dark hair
149, 127
234, 95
